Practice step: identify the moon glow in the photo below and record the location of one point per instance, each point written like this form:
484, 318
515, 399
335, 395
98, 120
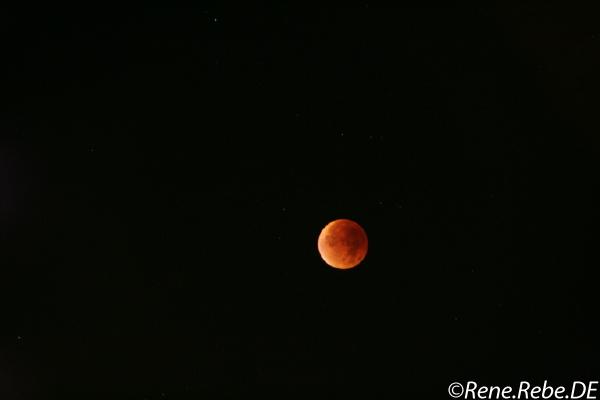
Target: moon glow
343, 244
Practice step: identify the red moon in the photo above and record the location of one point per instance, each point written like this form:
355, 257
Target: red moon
343, 244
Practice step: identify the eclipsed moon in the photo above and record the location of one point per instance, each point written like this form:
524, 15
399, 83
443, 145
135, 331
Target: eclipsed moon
343, 244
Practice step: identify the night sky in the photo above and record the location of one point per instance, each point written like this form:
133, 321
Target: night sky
165, 174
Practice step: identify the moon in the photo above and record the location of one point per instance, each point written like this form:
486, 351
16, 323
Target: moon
343, 244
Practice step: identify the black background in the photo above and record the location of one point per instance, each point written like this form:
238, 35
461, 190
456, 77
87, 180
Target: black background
165, 174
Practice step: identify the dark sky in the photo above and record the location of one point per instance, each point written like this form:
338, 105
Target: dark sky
165, 173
